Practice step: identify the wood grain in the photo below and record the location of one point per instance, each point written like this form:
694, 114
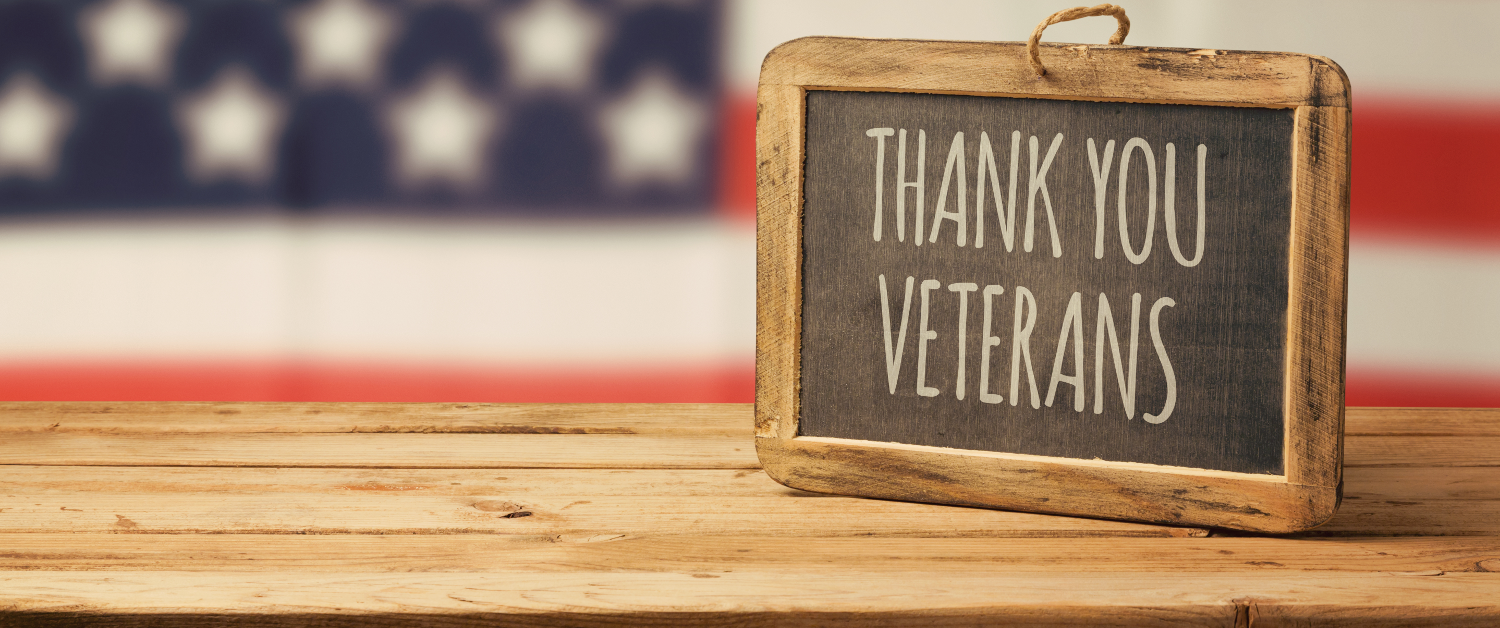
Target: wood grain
344, 501
1073, 71
564, 553
1420, 483
377, 546
1170, 496
584, 418
1466, 438
149, 417
1423, 451
779, 133
1412, 517
1421, 422
792, 597
399, 449
383, 450
1403, 501
1319, 286
1378, 483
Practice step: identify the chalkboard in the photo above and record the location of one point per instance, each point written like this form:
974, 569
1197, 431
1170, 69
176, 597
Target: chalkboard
1209, 328
1116, 289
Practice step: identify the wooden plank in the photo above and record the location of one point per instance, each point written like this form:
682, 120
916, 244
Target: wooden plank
779, 137
1256, 557
447, 450
20, 480
542, 418
1412, 500
364, 501
493, 451
1422, 483
1318, 286
686, 483
1422, 451
944, 597
405, 450
424, 501
725, 557
1362, 483
1167, 495
1089, 72
1413, 517
473, 418
1422, 422
1417, 501
725, 419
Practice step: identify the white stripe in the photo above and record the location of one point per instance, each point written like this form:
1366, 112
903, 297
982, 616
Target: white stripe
519, 293
1388, 47
507, 292
127, 289
1424, 307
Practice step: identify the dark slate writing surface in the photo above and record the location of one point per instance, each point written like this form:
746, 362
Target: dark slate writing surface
1221, 323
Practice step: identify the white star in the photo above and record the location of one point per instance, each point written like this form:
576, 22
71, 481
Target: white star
441, 132
551, 43
340, 41
653, 133
32, 123
231, 126
131, 40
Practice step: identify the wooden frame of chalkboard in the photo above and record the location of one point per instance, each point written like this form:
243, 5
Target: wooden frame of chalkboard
1308, 487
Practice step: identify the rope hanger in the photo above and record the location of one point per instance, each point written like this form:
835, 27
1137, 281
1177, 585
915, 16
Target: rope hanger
1068, 15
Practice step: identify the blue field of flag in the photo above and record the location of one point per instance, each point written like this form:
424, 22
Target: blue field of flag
531, 107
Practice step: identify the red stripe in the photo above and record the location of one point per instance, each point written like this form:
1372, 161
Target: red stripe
276, 381
1421, 390
1425, 170
290, 381
737, 158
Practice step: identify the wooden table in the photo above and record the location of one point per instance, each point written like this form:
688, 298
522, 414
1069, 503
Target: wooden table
386, 514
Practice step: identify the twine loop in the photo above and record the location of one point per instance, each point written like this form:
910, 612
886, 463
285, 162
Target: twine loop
1068, 15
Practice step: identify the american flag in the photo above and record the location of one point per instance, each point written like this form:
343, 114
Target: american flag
550, 200
354, 199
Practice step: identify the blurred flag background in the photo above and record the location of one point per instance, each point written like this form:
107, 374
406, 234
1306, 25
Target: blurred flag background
553, 200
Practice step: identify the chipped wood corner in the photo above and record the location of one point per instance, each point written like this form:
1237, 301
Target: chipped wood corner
1309, 491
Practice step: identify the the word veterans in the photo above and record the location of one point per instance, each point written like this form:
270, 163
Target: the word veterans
1024, 322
